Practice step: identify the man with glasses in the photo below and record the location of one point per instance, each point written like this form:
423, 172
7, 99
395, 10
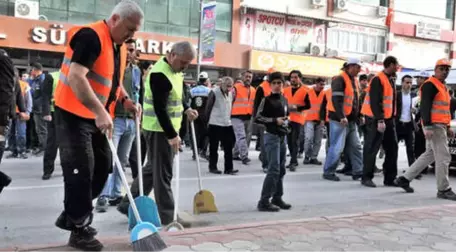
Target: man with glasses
436, 118
405, 125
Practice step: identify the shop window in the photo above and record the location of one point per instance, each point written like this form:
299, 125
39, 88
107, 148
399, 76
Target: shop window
178, 31
224, 15
81, 18
355, 42
179, 13
156, 11
3, 8
84, 6
54, 15
54, 4
104, 7
450, 9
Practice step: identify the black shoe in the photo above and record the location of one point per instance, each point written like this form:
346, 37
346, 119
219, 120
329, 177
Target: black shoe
38, 152
448, 195
233, 172
23, 156
331, 177
343, 170
357, 177
5, 181
293, 168
115, 201
236, 158
306, 160
315, 161
404, 184
368, 183
377, 170
300, 155
12, 155
281, 204
348, 173
246, 161
82, 239
419, 176
62, 223
123, 207
267, 207
46, 176
215, 171
292, 165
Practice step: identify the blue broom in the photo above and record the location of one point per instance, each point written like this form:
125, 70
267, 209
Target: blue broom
144, 236
147, 207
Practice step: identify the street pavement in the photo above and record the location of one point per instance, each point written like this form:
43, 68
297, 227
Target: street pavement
30, 206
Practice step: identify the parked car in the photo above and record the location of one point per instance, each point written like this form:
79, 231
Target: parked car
452, 145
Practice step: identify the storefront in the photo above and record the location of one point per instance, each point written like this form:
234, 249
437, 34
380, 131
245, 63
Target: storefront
28, 41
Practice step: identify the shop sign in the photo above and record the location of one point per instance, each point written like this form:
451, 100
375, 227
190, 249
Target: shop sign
57, 36
427, 30
308, 65
358, 29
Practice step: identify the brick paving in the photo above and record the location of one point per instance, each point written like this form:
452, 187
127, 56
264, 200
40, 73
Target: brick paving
420, 229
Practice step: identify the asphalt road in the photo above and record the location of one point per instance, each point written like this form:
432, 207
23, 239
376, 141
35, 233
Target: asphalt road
29, 206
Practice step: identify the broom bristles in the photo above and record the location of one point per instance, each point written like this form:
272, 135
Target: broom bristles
150, 243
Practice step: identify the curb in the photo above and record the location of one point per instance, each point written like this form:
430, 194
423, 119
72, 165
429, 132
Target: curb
199, 230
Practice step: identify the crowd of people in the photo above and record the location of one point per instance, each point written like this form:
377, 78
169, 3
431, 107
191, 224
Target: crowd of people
93, 97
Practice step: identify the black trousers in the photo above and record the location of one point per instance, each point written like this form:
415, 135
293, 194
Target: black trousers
86, 161
406, 132
52, 145
133, 158
32, 138
373, 140
201, 135
293, 141
224, 136
158, 173
420, 142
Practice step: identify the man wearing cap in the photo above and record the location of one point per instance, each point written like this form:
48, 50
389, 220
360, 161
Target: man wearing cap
199, 95
379, 109
436, 118
343, 109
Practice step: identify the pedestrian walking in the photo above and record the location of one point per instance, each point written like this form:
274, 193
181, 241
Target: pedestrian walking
85, 97
52, 144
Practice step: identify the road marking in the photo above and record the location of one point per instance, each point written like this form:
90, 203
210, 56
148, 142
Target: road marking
227, 177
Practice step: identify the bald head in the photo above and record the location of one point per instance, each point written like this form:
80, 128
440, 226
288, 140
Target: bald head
181, 55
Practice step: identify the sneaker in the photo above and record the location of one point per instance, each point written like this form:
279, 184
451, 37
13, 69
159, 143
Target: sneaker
331, 177
82, 239
267, 207
102, 204
404, 184
281, 204
315, 161
448, 195
306, 160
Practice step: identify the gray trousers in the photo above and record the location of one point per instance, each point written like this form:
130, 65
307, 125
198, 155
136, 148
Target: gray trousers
157, 175
242, 131
313, 136
41, 129
436, 150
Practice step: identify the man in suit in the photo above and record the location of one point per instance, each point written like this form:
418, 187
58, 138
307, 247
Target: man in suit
405, 124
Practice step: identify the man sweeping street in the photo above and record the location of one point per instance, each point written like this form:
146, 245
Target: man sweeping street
88, 88
163, 109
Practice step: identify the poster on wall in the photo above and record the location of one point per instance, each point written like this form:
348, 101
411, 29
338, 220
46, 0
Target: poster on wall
270, 31
208, 33
299, 34
247, 29
319, 40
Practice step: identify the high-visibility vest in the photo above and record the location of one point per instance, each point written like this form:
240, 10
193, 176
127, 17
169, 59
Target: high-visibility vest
266, 88
55, 76
313, 114
24, 89
298, 100
388, 96
349, 94
328, 95
99, 76
440, 111
174, 106
243, 104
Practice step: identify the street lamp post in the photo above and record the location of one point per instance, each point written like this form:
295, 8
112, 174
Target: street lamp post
200, 35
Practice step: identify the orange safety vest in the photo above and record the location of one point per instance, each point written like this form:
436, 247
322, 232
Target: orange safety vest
266, 88
24, 88
328, 94
349, 94
313, 114
243, 104
440, 111
388, 96
298, 100
99, 76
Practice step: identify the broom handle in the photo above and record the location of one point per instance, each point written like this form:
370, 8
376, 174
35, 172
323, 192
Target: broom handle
176, 201
200, 183
138, 157
124, 179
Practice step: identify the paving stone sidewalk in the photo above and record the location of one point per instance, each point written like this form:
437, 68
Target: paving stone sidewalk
423, 229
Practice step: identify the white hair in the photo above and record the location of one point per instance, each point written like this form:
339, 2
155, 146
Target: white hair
128, 9
184, 48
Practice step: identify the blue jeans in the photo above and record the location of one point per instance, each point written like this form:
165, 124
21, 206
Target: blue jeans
123, 136
276, 151
17, 136
343, 138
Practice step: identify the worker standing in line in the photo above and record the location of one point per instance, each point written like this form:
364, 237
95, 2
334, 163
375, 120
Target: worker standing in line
241, 115
88, 89
52, 145
199, 95
164, 106
436, 118
379, 110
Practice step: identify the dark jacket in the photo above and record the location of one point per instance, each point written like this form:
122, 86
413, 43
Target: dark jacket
338, 88
272, 107
7, 88
399, 108
376, 100
18, 100
38, 86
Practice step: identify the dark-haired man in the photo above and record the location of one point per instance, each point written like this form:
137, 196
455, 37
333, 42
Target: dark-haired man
379, 109
273, 113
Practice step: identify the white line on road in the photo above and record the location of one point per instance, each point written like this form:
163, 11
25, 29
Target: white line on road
19, 188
